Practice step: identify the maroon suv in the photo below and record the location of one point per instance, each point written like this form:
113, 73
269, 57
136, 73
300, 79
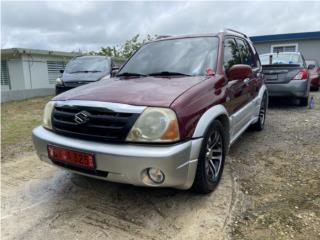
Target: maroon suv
166, 120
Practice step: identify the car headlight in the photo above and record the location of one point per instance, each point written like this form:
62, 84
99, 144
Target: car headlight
155, 125
59, 81
47, 115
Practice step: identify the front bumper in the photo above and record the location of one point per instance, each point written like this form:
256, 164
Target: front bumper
126, 163
294, 88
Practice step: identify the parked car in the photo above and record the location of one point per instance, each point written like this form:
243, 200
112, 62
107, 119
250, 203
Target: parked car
166, 120
86, 69
314, 73
286, 75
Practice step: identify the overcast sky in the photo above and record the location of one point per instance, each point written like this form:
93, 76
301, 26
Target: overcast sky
69, 26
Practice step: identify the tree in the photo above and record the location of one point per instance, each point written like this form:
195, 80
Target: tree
126, 49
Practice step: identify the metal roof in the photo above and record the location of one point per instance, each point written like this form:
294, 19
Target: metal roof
286, 37
19, 51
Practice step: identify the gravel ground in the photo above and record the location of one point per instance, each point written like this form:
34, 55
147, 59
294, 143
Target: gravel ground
269, 190
276, 174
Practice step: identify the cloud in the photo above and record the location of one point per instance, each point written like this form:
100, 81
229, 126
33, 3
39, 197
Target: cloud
89, 25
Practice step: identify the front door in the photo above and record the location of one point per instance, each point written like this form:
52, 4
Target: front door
238, 93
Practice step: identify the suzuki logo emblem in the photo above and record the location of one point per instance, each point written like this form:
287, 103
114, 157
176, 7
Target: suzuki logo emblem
81, 117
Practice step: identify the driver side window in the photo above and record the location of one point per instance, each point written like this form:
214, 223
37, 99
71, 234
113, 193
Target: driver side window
231, 54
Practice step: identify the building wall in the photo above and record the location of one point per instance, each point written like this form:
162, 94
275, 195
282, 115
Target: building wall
36, 70
29, 76
309, 48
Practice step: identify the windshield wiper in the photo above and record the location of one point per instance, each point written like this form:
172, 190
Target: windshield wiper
86, 71
131, 74
167, 73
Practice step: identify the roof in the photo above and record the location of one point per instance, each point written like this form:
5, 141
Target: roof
286, 37
281, 53
19, 51
226, 31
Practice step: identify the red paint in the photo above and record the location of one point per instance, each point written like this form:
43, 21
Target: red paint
239, 71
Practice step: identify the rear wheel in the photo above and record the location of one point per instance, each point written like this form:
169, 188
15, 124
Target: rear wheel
211, 159
259, 125
304, 101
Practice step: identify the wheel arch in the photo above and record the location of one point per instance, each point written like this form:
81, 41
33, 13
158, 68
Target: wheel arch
217, 112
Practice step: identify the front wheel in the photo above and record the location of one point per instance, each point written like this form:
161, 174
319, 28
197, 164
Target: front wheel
211, 159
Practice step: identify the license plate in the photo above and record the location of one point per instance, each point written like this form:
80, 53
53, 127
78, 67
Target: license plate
272, 77
71, 157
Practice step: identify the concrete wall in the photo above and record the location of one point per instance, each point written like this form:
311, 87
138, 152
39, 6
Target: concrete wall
11, 95
309, 48
29, 76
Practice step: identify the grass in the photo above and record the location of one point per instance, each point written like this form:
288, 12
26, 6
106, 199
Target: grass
18, 118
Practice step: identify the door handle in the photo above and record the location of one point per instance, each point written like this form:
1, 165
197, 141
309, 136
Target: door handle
246, 81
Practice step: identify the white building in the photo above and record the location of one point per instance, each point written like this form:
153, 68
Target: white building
29, 72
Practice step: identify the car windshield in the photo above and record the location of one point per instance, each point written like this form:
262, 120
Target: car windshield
187, 56
281, 58
88, 64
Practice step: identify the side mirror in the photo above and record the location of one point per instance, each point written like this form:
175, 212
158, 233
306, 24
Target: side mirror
311, 66
239, 71
114, 71
61, 70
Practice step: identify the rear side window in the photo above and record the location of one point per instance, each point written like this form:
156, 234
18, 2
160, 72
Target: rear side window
246, 53
231, 54
282, 58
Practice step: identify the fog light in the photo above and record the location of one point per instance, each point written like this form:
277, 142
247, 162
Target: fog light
156, 175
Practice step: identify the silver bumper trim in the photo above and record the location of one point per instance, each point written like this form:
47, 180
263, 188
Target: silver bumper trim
126, 163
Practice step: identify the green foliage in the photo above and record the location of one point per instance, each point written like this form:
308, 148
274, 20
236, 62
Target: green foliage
126, 49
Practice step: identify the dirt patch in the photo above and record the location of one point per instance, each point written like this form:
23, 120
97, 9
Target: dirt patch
277, 173
271, 185
42, 201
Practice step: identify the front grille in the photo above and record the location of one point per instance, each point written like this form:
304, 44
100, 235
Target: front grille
102, 125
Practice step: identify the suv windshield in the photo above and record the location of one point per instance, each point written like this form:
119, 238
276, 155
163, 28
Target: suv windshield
88, 64
281, 58
185, 56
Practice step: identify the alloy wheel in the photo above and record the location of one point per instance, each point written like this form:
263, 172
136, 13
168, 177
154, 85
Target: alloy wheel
214, 156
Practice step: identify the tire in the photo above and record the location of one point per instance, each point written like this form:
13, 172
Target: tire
304, 101
208, 172
259, 125
316, 89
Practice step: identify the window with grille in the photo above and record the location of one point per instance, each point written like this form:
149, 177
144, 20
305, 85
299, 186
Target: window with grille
54, 68
5, 78
284, 48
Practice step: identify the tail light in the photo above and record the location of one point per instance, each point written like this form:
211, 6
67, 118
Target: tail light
302, 75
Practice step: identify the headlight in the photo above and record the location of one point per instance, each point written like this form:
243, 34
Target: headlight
47, 115
59, 81
155, 125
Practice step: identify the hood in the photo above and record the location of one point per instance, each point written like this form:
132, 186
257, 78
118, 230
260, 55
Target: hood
76, 77
146, 91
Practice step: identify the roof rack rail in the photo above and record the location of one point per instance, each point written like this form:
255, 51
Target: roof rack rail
231, 30
162, 36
